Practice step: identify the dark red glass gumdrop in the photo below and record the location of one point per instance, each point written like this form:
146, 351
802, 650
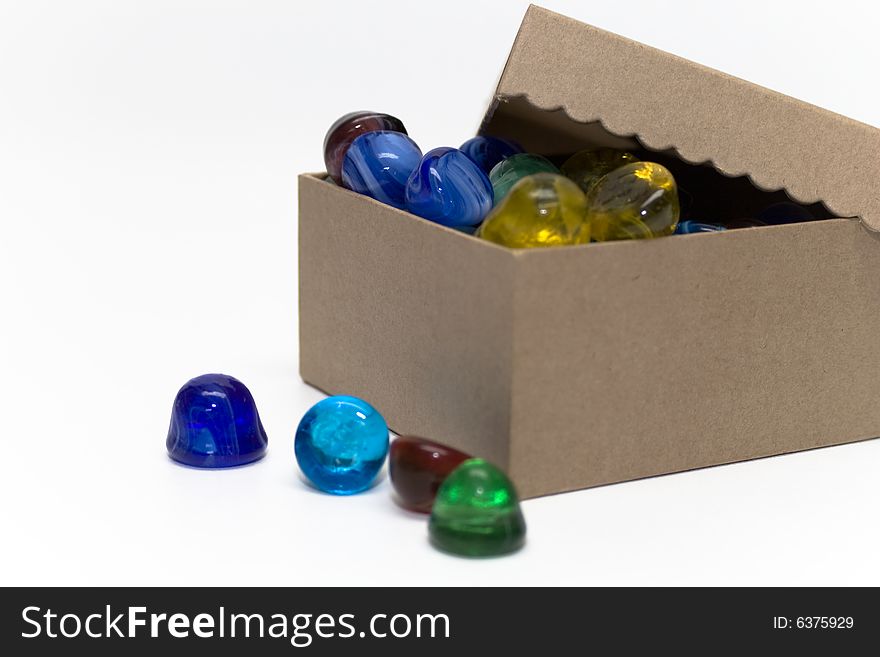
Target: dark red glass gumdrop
348, 128
417, 467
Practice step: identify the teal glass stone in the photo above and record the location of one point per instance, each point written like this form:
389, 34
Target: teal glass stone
340, 445
511, 170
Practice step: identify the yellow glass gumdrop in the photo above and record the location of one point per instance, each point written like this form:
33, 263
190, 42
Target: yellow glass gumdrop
635, 201
587, 167
544, 209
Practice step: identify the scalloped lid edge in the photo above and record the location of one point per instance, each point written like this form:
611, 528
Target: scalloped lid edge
701, 114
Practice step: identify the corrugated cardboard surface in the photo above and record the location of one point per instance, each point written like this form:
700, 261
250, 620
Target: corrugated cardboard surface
672, 103
579, 366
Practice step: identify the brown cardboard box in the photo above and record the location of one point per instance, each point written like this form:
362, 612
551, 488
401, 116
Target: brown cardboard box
579, 366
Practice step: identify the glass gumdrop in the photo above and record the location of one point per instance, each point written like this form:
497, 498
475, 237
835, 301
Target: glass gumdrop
487, 151
637, 200
378, 164
477, 513
586, 167
543, 209
449, 189
511, 170
215, 424
417, 468
340, 444
348, 128
688, 227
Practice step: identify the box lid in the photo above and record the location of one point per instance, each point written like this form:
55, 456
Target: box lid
561, 71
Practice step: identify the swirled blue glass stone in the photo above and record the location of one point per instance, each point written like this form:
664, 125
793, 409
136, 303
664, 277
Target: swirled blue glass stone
379, 163
215, 424
486, 152
688, 227
449, 189
341, 444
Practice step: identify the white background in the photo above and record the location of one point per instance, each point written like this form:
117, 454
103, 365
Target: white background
148, 155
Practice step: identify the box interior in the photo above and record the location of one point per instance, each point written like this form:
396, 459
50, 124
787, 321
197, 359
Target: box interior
706, 194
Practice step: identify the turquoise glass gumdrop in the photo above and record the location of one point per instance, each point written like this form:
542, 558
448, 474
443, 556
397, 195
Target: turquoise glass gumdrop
511, 170
340, 445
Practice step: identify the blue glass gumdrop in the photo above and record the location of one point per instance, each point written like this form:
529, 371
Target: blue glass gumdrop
449, 189
685, 202
215, 424
486, 152
785, 212
378, 165
688, 227
341, 443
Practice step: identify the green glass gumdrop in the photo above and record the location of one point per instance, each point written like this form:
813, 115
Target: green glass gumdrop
544, 209
507, 173
635, 201
476, 512
586, 167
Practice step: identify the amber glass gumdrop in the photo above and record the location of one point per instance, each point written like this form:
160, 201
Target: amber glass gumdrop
418, 467
585, 168
348, 128
543, 209
637, 200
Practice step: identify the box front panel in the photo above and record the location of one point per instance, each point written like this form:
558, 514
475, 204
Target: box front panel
642, 358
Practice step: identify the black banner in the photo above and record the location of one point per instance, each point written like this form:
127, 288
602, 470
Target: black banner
333, 621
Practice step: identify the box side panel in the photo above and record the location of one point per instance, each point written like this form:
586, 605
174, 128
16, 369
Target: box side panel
704, 115
413, 317
642, 358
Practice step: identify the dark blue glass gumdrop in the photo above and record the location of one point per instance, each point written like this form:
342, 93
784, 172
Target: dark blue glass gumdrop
688, 227
685, 203
785, 213
486, 152
215, 424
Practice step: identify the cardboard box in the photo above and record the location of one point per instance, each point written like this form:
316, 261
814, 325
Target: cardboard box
578, 366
